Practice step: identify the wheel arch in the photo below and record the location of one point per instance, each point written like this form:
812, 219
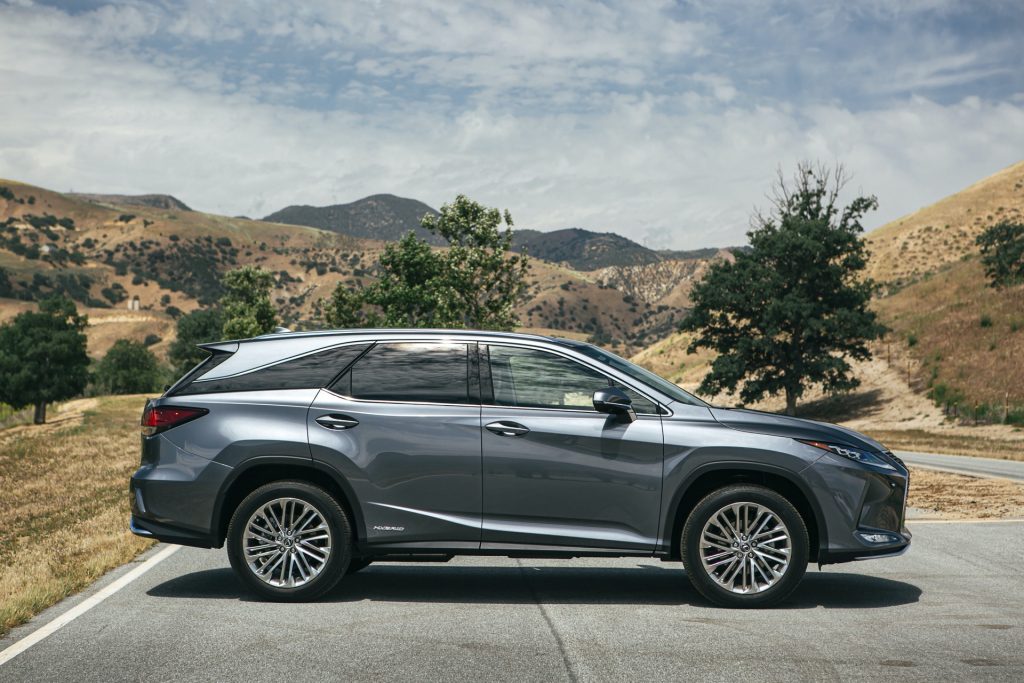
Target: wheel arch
714, 476
256, 472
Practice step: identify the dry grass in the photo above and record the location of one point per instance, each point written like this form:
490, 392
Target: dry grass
64, 510
956, 496
942, 233
953, 443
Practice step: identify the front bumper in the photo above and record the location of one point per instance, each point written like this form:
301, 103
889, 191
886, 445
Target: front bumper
864, 509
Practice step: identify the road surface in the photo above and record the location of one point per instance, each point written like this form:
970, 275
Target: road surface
965, 464
950, 609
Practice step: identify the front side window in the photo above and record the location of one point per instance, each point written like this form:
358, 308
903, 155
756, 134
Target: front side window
528, 378
410, 372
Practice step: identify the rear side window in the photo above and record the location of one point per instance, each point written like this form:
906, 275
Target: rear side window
411, 372
308, 372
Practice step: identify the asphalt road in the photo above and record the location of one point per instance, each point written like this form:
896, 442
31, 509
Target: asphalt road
950, 609
963, 464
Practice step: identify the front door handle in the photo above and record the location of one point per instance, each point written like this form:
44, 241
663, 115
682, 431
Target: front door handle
505, 428
336, 421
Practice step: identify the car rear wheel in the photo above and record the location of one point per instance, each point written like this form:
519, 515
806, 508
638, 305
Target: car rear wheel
745, 546
289, 541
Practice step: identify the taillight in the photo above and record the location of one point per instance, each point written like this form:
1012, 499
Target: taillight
156, 419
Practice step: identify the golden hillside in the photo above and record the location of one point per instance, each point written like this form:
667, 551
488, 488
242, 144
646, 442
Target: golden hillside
921, 242
107, 256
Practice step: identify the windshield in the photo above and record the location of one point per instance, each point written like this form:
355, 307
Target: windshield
635, 371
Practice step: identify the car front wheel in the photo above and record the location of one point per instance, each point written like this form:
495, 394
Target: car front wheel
745, 546
289, 541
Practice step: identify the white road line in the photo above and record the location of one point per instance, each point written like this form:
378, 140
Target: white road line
84, 606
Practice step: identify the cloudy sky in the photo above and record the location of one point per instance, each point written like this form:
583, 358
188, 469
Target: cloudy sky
662, 121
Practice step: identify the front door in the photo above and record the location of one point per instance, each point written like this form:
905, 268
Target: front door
557, 472
403, 427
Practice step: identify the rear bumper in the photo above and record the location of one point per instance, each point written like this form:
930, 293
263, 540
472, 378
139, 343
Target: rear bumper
169, 534
173, 493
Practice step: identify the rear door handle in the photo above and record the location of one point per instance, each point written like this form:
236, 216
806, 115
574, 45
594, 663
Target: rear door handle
336, 421
505, 428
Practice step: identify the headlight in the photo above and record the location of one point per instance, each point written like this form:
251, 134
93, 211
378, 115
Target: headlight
866, 457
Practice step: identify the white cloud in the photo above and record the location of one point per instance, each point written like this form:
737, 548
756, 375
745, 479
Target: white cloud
625, 118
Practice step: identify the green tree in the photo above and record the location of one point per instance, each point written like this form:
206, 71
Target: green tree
792, 310
43, 357
475, 282
198, 327
481, 280
1002, 253
246, 303
128, 368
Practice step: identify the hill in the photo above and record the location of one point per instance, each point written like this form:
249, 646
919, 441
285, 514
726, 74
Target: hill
943, 233
155, 201
378, 217
584, 249
134, 272
963, 339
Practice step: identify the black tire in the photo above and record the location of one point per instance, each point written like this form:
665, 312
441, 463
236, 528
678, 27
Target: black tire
335, 518
702, 578
357, 564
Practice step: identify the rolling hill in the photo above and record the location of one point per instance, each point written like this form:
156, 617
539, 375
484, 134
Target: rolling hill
377, 217
134, 268
944, 232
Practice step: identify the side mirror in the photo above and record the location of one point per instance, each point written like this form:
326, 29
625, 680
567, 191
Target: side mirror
614, 401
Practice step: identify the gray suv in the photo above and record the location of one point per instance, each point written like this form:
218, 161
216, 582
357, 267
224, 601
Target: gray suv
311, 455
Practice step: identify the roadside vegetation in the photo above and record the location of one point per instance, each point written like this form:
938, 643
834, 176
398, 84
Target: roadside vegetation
64, 509
956, 496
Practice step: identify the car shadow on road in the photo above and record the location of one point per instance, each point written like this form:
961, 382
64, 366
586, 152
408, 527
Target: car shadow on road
644, 584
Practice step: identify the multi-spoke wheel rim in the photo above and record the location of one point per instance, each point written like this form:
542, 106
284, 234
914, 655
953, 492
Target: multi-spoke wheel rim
287, 542
745, 548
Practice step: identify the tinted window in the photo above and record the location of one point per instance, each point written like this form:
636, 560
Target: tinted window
417, 372
635, 371
536, 379
308, 372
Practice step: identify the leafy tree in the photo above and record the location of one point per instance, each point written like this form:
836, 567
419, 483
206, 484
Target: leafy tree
198, 327
43, 357
128, 368
475, 283
792, 310
481, 282
246, 303
1002, 253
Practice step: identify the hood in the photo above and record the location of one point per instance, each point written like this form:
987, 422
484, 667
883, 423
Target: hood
793, 427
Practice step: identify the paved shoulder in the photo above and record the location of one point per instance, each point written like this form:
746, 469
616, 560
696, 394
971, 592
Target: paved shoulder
965, 464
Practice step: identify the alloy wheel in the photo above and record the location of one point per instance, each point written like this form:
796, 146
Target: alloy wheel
745, 547
287, 542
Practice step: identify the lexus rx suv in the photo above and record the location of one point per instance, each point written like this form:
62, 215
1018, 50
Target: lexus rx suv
311, 455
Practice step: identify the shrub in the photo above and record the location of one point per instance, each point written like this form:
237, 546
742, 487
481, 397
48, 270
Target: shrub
986, 320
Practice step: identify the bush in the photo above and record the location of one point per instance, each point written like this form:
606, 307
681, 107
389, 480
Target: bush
128, 368
911, 340
152, 339
986, 320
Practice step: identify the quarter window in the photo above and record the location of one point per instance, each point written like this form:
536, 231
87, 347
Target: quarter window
308, 372
411, 372
528, 378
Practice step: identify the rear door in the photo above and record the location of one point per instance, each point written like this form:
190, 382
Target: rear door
557, 472
403, 426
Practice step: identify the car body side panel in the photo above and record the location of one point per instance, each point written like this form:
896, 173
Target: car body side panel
696, 443
415, 468
578, 478
244, 424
